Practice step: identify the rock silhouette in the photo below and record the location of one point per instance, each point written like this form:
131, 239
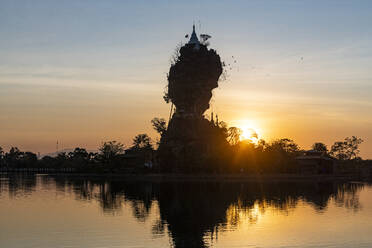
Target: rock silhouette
191, 80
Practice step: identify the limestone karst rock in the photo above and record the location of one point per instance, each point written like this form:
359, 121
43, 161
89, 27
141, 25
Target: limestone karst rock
191, 80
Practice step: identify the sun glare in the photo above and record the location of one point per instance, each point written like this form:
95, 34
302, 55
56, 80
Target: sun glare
249, 133
250, 130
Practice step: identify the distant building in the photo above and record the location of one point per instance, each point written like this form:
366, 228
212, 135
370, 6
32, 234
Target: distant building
315, 162
138, 158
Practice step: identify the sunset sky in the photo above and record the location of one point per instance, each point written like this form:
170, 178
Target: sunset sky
83, 72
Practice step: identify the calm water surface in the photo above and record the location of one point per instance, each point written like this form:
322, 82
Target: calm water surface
47, 211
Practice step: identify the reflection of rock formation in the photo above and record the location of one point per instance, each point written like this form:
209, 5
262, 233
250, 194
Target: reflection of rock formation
192, 210
191, 80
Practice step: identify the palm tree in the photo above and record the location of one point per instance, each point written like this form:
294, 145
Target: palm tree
142, 141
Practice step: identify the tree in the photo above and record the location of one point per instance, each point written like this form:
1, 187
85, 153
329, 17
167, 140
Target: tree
79, 153
175, 57
61, 159
338, 150
111, 149
286, 145
320, 147
14, 153
347, 149
352, 146
78, 157
13, 157
1, 156
93, 156
160, 125
62, 156
233, 135
222, 125
278, 156
29, 159
141, 141
261, 145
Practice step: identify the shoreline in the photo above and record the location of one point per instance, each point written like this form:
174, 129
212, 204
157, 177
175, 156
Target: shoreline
161, 177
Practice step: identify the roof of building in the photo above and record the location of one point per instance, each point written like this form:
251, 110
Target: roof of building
194, 38
313, 154
308, 157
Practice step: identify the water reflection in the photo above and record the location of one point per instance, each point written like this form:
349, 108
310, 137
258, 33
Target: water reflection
193, 213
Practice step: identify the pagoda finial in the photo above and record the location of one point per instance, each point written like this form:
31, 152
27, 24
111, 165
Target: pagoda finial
194, 39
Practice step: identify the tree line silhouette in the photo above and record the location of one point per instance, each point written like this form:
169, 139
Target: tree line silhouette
227, 153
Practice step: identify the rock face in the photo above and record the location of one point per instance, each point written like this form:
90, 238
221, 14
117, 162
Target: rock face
191, 80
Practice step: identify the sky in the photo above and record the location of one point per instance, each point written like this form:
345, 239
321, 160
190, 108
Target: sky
84, 72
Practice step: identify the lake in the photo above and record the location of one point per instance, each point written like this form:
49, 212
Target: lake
38, 211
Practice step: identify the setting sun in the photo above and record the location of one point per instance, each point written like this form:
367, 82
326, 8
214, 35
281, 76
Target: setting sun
249, 134
250, 130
